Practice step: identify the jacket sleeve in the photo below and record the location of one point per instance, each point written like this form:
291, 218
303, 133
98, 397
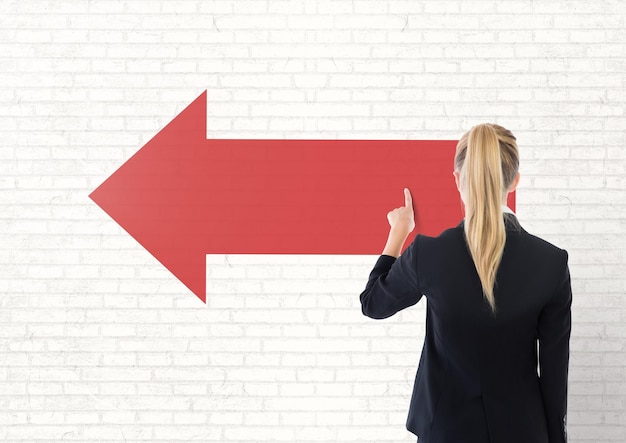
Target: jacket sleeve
393, 284
553, 332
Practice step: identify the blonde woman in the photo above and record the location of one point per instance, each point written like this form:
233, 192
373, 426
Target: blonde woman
498, 309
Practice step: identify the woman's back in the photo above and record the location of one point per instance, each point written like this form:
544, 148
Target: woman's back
474, 365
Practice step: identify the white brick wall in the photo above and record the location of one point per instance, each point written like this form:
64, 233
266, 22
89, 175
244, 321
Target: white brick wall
99, 342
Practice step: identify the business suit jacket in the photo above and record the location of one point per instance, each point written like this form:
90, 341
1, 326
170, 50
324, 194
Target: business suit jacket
477, 378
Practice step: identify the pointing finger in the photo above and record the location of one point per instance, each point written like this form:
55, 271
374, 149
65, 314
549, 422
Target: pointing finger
408, 200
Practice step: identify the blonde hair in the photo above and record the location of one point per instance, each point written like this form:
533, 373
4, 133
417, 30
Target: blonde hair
487, 160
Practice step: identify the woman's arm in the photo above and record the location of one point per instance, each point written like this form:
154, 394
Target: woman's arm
395, 241
554, 329
393, 284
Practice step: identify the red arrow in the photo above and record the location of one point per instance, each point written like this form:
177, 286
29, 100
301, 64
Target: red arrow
182, 196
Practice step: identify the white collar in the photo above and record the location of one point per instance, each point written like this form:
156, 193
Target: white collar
505, 208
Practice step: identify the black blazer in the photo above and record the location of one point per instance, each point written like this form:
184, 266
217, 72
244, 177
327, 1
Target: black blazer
477, 378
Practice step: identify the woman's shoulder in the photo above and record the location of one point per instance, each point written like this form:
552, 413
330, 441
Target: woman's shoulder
542, 247
532, 248
541, 243
449, 236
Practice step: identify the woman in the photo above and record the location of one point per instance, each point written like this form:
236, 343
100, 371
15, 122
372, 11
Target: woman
498, 305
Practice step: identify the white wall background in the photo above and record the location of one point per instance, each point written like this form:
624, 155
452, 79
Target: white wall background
99, 342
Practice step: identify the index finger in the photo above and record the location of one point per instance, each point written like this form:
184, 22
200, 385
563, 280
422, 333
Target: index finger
408, 200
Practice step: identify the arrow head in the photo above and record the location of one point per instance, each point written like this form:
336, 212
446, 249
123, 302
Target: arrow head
153, 196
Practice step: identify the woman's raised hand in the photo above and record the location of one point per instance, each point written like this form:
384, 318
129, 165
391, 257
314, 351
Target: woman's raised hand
403, 218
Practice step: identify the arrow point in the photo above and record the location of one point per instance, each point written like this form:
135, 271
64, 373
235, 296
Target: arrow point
136, 195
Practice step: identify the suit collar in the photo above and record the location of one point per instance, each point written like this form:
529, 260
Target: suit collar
507, 210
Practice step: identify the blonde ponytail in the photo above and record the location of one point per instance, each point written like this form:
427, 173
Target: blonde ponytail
485, 178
